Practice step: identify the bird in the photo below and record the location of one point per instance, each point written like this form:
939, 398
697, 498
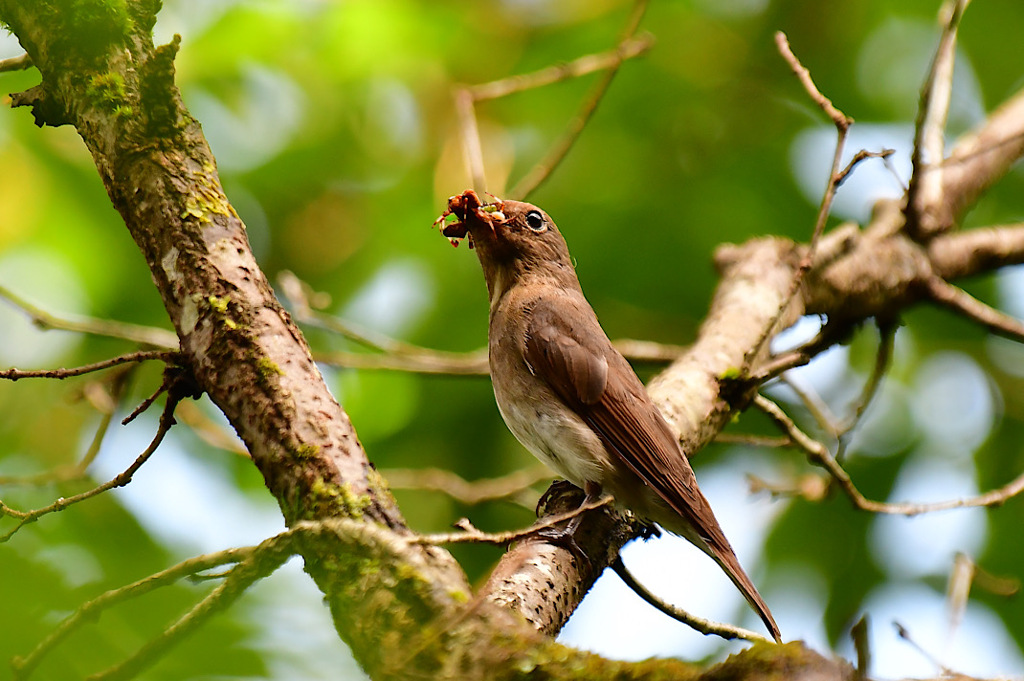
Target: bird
567, 394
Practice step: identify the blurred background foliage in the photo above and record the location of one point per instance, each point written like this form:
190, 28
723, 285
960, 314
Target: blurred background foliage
334, 130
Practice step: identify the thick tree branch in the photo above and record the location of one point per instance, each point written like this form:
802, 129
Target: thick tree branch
981, 158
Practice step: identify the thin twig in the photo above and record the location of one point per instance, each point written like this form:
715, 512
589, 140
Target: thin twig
264, 560
77, 470
472, 149
146, 335
961, 302
90, 611
510, 486
427, 362
829, 334
60, 374
628, 49
26, 517
753, 440
904, 634
819, 411
214, 433
883, 358
818, 454
705, 626
422, 360
925, 194
396, 355
812, 487
19, 63
147, 403
836, 175
471, 535
543, 169
841, 120
861, 155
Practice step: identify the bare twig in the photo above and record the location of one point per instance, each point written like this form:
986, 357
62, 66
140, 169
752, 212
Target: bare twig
19, 63
836, 176
452, 364
961, 302
398, 355
262, 561
471, 146
753, 440
812, 486
883, 357
212, 432
471, 535
148, 402
26, 517
904, 634
841, 120
540, 172
861, 155
474, 363
705, 626
131, 357
816, 406
77, 470
818, 454
925, 194
628, 49
146, 335
829, 334
511, 486
89, 611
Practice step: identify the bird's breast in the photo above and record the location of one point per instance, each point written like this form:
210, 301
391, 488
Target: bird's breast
534, 413
555, 435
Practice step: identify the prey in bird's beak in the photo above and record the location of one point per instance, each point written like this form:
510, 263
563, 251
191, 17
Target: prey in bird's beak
467, 206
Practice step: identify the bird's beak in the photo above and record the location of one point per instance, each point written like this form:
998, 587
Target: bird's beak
471, 214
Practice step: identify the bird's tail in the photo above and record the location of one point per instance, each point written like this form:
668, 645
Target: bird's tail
726, 558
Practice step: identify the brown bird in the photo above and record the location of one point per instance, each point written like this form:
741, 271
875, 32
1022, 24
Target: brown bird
567, 394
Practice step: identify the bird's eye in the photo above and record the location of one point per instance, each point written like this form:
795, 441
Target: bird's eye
535, 221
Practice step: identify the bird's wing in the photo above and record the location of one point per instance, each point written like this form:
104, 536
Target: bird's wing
567, 349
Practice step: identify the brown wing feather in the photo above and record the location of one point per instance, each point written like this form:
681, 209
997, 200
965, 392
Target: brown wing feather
598, 384
594, 380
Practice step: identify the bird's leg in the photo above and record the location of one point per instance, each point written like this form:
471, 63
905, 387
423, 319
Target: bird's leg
593, 493
567, 536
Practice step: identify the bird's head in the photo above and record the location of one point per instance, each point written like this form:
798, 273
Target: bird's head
514, 240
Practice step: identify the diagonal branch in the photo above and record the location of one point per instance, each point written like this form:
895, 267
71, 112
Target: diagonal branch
924, 196
129, 358
961, 302
91, 610
819, 455
120, 480
146, 335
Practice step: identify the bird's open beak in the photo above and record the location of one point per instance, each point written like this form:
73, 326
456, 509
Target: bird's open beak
470, 212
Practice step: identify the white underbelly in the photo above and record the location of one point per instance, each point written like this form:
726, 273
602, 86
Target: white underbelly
560, 439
